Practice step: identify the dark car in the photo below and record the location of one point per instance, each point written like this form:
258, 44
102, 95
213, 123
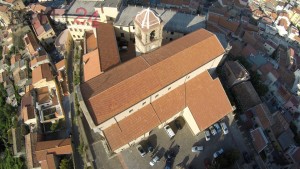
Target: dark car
168, 164
247, 157
150, 147
178, 125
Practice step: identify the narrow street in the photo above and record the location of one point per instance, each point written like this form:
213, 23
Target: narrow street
75, 134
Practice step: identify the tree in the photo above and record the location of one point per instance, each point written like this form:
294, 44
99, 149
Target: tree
228, 158
66, 164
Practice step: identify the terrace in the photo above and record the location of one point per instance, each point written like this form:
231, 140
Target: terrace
51, 114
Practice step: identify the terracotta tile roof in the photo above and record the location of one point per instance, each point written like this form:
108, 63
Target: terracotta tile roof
26, 100
103, 94
132, 127
49, 163
91, 41
38, 59
213, 17
31, 43
15, 58
3, 8
230, 25
284, 93
206, 100
28, 113
170, 104
38, 7
263, 114
30, 142
37, 25
41, 72
259, 139
107, 46
57, 147
106, 54
60, 65
246, 95
199, 99
43, 95
91, 66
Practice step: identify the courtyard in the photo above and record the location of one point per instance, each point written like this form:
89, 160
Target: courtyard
181, 146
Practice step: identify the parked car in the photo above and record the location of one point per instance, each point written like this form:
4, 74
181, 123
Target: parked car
154, 160
224, 128
218, 153
177, 124
207, 135
168, 164
150, 147
212, 130
197, 149
217, 127
141, 150
169, 131
247, 157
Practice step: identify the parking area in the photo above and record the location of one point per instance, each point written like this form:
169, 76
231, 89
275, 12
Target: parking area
181, 146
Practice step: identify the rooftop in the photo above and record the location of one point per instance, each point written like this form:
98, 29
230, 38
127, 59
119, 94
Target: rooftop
199, 94
41, 72
79, 4
103, 94
106, 54
259, 139
173, 21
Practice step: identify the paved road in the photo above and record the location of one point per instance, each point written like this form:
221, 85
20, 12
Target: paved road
75, 134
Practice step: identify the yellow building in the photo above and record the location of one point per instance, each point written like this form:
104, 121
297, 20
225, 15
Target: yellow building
4, 15
43, 29
295, 17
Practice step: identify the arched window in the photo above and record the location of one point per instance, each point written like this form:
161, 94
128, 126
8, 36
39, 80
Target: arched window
152, 35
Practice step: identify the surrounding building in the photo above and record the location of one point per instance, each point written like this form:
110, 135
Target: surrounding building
43, 29
235, 73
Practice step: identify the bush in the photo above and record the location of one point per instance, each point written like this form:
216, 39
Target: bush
66, 164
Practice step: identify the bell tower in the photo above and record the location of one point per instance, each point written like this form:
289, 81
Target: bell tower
148, 31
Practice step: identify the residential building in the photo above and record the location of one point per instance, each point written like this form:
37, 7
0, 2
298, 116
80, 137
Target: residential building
262, 116
43, 29
293, 155
31, 44
102, 51
42, 76
47, 151
282, 23
15, 4
4, 15
28, 110
235, 73
295, 17
39, 8
30, 144
48, 105
259, 139
246, 95
38, 61
162, 85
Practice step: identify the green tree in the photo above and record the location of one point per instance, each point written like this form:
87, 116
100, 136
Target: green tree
66, 164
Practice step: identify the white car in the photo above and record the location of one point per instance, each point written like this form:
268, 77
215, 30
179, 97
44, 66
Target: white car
218, 153
217, 127
207, 135
197, 149
169, 131
154, 160
224, 128
212, 130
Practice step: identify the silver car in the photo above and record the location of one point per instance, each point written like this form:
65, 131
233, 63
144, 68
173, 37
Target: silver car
207, 135
197, 149
212, 130
154, 160
218, 153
